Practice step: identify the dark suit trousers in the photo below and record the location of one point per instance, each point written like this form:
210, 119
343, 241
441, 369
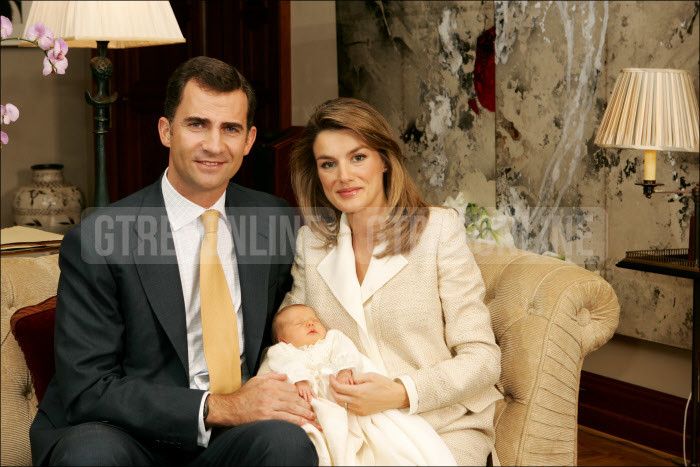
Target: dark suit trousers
269, 442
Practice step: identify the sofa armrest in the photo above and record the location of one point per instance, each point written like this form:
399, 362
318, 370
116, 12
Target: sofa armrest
25, 282
547, 315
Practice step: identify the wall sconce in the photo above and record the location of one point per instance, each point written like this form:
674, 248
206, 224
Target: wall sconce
657, 110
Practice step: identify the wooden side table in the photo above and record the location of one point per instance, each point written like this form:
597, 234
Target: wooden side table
676, 263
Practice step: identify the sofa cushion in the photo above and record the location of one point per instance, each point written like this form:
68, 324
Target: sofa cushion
32, 327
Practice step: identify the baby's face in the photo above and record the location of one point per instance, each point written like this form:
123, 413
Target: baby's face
300, 326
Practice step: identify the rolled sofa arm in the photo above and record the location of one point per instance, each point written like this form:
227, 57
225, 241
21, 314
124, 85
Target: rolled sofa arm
547, 315
25, 281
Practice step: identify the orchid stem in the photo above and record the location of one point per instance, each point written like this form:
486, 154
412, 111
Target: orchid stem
46, 54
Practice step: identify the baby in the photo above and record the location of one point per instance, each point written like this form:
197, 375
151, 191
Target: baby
308, 355
298, 326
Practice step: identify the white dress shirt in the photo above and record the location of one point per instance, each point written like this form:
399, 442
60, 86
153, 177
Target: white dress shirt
188, 233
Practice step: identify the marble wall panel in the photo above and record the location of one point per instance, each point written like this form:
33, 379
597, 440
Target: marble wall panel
549, 57
531, 150
653, 307
415, 62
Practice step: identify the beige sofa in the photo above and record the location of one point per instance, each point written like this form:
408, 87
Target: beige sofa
547, 315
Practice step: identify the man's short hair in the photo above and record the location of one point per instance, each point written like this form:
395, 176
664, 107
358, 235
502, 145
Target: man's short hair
210, 74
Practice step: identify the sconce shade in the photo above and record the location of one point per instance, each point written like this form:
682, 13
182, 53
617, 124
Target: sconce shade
651, 109
124, 24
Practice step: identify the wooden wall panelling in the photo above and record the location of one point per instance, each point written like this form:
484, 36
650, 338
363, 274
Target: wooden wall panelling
282, 150
135, 156
644, 416
285, 65
245, 34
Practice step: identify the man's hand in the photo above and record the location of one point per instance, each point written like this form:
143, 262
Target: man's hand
345, 377
266, 397
371, 393
305, 390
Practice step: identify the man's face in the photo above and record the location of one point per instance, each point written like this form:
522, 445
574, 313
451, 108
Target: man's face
208, 139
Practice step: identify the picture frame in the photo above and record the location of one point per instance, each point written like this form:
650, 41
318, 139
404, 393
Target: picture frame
19, 11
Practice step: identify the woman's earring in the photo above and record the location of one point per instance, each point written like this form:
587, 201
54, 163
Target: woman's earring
386, 168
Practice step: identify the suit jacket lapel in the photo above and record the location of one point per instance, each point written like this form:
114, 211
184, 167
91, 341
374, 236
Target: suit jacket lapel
338, 272
249, 227
381, 271
158, 270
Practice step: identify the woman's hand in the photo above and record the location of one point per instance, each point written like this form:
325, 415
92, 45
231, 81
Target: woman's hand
371, 393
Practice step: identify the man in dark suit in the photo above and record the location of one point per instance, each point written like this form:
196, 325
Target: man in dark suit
132, 384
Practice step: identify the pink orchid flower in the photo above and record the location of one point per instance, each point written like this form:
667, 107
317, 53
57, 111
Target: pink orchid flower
5, 27
3, 138
56, 61
41, 35
9, 113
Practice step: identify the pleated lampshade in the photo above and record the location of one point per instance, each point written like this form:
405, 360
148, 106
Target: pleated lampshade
651, 109
124, 24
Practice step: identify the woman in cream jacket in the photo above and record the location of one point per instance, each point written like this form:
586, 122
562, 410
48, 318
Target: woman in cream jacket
379, 264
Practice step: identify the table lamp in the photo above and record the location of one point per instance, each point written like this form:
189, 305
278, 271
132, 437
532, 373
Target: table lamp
653, 110
657, 110
102, 25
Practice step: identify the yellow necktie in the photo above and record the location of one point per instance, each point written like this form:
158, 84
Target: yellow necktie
219, 324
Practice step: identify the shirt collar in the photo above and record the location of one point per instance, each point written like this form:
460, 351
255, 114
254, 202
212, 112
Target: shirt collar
182, 211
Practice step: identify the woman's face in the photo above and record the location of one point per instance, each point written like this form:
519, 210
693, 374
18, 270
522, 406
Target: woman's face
351, 173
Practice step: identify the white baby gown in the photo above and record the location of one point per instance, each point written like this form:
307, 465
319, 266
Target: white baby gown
391, 437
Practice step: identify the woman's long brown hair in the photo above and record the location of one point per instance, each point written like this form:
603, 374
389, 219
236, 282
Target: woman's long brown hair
408, 212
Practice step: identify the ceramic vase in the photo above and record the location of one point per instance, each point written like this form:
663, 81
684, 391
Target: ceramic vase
48, 202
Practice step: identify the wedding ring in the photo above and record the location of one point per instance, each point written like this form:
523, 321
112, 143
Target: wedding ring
346, 406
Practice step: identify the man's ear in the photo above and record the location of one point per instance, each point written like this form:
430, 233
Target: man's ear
250, 139
164, 131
